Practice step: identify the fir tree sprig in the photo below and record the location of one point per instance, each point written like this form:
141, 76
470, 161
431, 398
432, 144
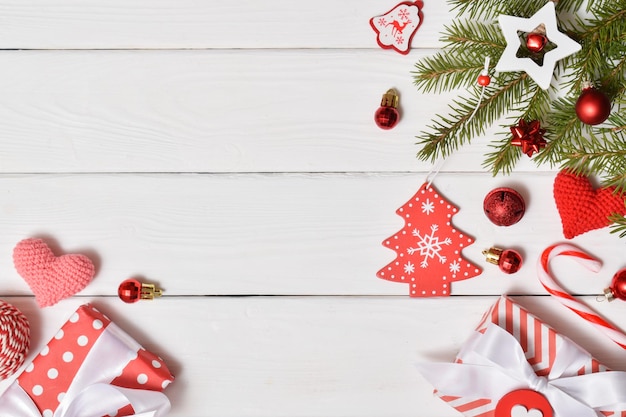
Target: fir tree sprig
489, 9
619, 225
445, 72
469, 117
475, 34
504, 156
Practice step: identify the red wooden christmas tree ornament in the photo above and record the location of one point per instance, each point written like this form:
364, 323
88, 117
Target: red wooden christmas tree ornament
428, 247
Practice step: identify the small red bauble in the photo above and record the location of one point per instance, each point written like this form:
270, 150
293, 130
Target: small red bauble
504, 206
131, 291
535, 42
508, 260
483, 80
387, 115
593, 106
618, 286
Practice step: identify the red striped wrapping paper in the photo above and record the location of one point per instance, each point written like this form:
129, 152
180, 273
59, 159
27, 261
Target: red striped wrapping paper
541, 346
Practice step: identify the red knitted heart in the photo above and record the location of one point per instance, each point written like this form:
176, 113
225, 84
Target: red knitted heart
581, 207
51, 278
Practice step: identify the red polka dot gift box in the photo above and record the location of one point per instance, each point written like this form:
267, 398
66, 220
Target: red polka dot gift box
91, 367
514, 363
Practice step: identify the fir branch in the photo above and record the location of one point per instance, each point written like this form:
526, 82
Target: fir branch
489, 9
565, 128
504, 157
448, 133
619, 225
474, 37
570, 5
445, 72
614, 81
572, 144
460, 64
607, 23
604, 153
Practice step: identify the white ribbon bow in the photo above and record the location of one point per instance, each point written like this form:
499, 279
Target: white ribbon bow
494, 364
94, 401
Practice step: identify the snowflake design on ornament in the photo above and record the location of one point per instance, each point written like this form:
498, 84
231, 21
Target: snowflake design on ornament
428, 238
455, 267
404, 14
428, 207
429, 246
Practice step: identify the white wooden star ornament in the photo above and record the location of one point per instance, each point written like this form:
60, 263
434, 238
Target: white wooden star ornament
509, 61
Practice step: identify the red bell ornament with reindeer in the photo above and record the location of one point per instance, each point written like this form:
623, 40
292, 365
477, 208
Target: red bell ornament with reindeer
428, 248
396, 28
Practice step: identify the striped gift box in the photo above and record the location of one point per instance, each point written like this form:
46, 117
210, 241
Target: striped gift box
541, 346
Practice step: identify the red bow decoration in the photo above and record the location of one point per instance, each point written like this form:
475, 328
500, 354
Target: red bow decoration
528, 136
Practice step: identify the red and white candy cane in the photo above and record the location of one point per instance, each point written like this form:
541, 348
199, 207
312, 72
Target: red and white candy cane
550, 284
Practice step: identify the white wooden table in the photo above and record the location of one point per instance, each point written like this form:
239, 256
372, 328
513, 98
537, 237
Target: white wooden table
227, 152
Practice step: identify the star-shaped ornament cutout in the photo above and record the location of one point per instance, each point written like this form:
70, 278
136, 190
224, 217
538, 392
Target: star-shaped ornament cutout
509, 61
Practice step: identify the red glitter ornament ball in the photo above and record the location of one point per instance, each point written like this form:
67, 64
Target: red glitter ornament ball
535, 42
508, 260
387, 115
593, 106
504, 206
129, 291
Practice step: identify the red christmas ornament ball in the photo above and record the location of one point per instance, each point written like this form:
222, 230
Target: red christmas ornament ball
386, 117
510, 261
504, 206
129, 291
593, 106
535, 42
618, 285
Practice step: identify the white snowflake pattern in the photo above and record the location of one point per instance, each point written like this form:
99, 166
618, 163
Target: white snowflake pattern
409, 268
403, 14
428, 207
429, 246
455, 267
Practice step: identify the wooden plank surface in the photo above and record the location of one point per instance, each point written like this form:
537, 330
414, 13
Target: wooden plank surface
214, 111
275, 234
183, 24
227, 152
302, 356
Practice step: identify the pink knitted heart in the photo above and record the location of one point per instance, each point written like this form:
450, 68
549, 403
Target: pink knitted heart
51, 278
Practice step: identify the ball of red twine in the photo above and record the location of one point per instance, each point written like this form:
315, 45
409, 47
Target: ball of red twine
14, 339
